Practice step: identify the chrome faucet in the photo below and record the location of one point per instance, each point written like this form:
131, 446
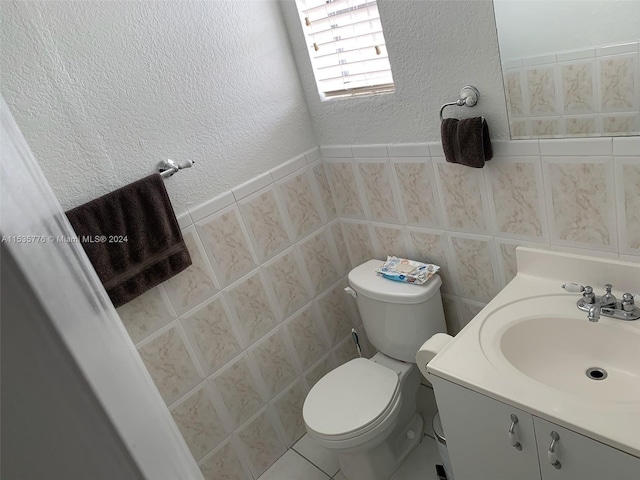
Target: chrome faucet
606, 305
606, 300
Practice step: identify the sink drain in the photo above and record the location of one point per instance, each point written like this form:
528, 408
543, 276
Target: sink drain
595, 373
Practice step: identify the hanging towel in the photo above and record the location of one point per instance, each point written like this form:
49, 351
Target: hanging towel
132, 238
466, 141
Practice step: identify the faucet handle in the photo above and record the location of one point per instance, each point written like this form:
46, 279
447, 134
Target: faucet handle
574, 287
627, 303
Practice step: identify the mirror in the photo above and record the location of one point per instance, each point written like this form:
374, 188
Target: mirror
570, 68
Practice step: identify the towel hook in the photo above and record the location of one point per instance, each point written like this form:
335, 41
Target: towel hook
468, 96
168, 167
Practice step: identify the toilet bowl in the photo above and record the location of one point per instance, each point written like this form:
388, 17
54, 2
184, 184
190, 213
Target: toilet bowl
365, 412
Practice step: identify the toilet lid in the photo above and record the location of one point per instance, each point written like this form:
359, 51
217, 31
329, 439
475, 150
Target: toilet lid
350, 397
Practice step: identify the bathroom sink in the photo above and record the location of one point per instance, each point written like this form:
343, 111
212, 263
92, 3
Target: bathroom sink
596, 360
558, 347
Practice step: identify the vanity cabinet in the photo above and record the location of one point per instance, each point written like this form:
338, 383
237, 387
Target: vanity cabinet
580, 457
477, 430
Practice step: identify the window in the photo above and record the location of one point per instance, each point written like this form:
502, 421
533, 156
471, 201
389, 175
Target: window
346, 46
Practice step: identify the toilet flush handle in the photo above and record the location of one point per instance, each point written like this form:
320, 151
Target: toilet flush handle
351, 292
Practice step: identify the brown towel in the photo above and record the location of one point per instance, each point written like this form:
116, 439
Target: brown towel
132, 238
466, 141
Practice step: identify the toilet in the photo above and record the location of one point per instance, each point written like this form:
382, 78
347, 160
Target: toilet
365, 410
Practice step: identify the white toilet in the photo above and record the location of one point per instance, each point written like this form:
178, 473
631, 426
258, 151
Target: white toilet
365, 410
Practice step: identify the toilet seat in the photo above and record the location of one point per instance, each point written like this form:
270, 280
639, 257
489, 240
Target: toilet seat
352, 401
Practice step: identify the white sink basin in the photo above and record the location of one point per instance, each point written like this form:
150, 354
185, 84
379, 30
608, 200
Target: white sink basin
557, 346
559, 352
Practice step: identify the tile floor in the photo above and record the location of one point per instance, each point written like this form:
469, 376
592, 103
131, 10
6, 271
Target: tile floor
308, 461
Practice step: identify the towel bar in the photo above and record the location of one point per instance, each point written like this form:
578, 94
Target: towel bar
168, 167
468, 96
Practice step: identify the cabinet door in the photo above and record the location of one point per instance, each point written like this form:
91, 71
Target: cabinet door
582, 458
476, 428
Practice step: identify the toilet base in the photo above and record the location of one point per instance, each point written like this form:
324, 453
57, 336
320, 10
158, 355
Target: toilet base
380, 462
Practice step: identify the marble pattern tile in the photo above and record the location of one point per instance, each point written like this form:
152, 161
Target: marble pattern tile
169, 365
288, 406
577, 87
145, 314
345, 189
583, 185
238, 390
518, 128
305, 330
507, 253
226, 242
199, 423
515, 192
631, 176
461, 192
468, 311
337, 315
320, 175
513, 87
545, 127
433, 248
316, 252
224, 464
378, 191
578, 126
300, 204
618, 75
418, 193
358, 242
194, 284
285, 277
451, 308
341, 246
274, 361
261, 443
620, 124
254, 312
345, 351
319, 370
542, 90
476, 278
264, 220
211, 332
389, 241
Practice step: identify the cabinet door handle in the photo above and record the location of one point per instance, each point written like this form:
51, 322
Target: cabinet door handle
552, 455
513, 436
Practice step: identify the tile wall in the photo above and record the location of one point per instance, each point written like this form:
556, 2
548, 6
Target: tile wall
235, 342
579, 195
579, 93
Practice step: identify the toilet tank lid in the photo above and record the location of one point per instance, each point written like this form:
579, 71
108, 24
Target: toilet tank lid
365, 281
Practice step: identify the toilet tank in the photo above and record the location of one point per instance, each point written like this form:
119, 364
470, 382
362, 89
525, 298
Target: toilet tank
397, 317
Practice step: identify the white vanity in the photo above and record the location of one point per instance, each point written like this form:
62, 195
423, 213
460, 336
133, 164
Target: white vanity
531, 389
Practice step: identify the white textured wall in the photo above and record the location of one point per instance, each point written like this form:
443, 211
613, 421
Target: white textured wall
566, 25
105, 90
435, 48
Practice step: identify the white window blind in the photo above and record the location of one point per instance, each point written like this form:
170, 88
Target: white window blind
346, 46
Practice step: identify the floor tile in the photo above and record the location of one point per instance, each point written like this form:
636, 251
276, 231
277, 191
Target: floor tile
292, 466
318, 455
339, 476
421, 463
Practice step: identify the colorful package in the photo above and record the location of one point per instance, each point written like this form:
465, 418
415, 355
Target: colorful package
408, 271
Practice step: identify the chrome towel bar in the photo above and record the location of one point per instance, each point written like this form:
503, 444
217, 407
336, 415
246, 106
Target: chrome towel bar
168, 167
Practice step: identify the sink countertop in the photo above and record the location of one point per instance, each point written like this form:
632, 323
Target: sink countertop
541, 273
